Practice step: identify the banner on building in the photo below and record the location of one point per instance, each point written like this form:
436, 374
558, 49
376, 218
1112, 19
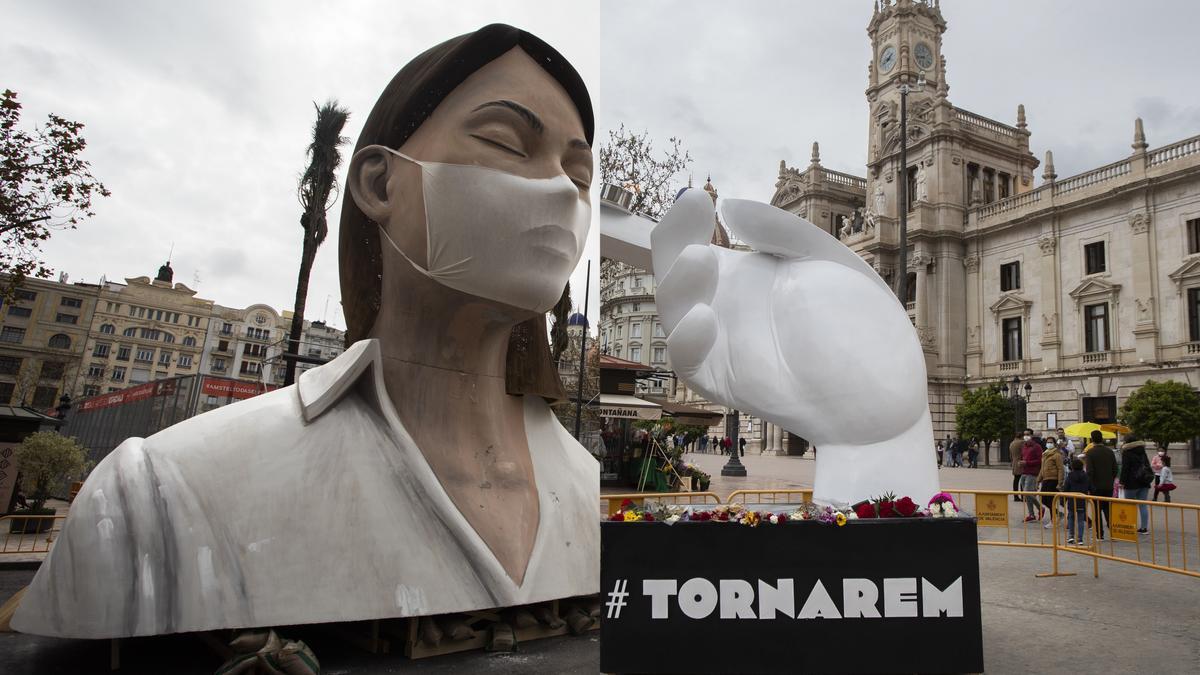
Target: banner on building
223, 388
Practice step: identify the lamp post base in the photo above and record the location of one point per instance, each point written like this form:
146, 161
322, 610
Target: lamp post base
734, 466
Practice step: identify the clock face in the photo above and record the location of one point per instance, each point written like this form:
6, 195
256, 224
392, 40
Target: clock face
260, 319
887, 60
924, 56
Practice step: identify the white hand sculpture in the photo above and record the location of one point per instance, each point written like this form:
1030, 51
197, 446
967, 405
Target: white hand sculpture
800, 332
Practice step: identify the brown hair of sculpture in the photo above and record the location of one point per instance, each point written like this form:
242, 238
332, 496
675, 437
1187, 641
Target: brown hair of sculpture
407, 101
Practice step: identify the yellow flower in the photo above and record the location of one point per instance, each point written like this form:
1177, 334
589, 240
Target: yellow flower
632, 516
840, 518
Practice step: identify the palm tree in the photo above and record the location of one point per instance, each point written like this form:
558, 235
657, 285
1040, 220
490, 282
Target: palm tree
317, 192
558, 329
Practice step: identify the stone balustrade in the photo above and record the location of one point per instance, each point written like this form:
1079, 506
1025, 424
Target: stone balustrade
1095, 358
1081, 186
1184, 148
839, 178
1093, 177
981, 122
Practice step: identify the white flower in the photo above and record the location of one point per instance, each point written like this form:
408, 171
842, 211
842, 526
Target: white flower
851, 515
774, 519
672, 520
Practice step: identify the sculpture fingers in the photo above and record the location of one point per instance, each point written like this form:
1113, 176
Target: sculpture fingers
692, 281
690, 343
690, 221
780, 233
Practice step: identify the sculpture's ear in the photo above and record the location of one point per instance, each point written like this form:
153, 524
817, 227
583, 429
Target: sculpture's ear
367, 179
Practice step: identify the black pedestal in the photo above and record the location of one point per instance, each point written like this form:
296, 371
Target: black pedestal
873, 596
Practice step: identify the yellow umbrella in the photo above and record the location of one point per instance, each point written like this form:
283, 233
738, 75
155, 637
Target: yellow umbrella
1085, 429
1116, 428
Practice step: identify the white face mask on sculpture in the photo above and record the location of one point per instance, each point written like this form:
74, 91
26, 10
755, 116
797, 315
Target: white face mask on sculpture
499, 236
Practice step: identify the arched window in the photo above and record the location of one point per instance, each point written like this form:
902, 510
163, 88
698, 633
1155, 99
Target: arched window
108, 329
60, 341
168, 338
130, 332
189, 341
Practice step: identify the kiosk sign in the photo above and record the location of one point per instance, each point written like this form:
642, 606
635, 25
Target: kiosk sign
1123, 521
991, 510
872, 596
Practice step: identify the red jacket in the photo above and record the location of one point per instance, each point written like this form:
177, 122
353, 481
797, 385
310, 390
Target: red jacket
1031, 458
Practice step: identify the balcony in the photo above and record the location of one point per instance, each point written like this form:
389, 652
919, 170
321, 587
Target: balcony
1009, 366
1193, 348
1096, 358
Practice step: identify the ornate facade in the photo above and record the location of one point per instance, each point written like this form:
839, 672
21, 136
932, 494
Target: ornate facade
1084, 287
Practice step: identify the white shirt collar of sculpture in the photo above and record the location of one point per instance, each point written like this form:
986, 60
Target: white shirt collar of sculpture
321, 388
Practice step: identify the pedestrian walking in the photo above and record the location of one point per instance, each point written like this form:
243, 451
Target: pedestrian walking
742, 444
973, 453
1050, 474
940, 449
1076, 482
1101, 467
1168, 479
1156, 463
1031, 466
1014, 453
1137, 477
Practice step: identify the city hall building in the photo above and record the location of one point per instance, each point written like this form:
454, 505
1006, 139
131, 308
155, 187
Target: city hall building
1081, 287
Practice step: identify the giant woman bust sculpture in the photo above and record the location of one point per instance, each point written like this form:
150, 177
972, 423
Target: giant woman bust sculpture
422, 471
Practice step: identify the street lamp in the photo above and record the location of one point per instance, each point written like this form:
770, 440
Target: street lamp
1016, 401
734, 466
902, 185
63, 407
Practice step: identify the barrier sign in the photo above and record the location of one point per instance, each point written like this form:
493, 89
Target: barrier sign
1122, 520
991, 510
894, 595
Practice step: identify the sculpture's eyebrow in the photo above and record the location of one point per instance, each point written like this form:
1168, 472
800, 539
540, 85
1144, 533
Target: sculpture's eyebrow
528, 115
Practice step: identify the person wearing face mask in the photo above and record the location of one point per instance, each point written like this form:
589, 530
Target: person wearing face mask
1050, 474
1101, 466
1014, 453
1031, 465
422, 471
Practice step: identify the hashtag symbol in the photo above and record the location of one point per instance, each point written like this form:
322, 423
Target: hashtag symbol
616, 599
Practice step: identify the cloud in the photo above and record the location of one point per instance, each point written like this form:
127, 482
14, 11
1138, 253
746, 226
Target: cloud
198, 114
748, 84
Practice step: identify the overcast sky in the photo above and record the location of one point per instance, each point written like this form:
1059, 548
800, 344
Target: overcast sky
748, 84
198, 114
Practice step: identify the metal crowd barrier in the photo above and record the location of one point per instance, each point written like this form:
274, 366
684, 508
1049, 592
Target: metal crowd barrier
610, 503
769, 496
29, 534
1172, 530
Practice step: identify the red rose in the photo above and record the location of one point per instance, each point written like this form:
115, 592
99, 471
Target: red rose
617, 517
906, 507
782, 518
886, 510
649, 518
723, 516
627, 504
865, 510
